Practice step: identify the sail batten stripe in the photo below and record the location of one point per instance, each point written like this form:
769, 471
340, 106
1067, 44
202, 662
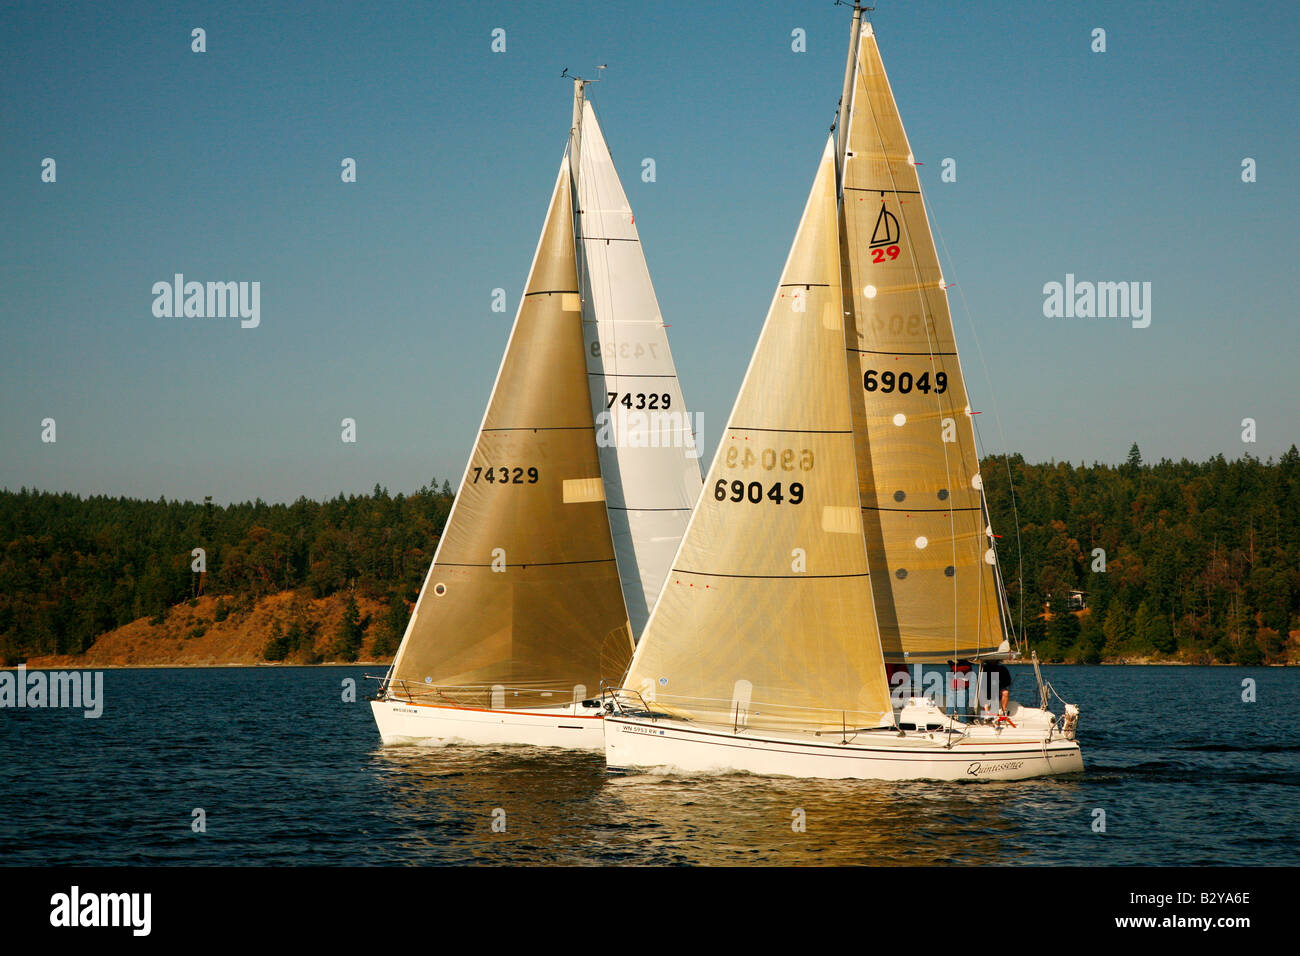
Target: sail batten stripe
632, 375
524, 564
627, 508
539, 428
887, 352
794, 431
873, 189
771, 577
936, 510
653, 323
552, 292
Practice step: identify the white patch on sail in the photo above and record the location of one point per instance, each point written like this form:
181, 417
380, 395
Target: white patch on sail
837, 519
578, 490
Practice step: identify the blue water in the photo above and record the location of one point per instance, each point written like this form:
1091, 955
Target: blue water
288, 773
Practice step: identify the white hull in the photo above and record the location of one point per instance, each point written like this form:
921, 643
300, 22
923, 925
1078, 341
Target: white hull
436, 725
638, 742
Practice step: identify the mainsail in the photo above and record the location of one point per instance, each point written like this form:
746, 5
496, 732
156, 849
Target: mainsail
766, 617
647, 447
523, 594
929, 547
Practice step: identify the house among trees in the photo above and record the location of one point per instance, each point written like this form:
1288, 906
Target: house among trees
1075, 600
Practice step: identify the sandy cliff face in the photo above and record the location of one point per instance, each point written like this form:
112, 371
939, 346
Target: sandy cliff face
192, 637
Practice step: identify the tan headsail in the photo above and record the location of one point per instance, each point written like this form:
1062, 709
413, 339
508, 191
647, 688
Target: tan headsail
928, 546
766, 615
524, 590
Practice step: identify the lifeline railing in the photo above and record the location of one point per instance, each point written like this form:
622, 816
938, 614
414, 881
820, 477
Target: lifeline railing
486, 696
723, 712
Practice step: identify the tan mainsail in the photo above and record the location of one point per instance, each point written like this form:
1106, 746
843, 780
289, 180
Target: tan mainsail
524, 590
930, 554
766, 616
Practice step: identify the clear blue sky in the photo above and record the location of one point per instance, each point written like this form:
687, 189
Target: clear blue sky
375, 300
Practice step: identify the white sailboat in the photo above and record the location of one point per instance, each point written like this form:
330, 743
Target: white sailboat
567, 515
842, 526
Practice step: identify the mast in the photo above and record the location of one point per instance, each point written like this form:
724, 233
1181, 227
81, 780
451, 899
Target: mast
575, 129
846, 97
575, 171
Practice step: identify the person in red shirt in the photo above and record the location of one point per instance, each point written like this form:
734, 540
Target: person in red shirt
958, 688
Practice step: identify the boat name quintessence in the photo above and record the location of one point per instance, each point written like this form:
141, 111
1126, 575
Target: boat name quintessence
976, 768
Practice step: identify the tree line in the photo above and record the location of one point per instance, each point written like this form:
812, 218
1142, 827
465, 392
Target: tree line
1180, 560
72, 568
1194, 561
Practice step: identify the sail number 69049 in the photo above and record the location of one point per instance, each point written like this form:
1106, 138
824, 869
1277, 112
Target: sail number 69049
904, 382
755, 491
769, 458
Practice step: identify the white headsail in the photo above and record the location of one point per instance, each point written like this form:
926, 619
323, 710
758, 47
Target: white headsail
648, 456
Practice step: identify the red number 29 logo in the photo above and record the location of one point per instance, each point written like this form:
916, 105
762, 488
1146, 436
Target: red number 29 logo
878, 255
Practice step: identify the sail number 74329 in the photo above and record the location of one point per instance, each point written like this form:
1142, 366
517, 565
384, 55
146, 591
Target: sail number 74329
503, 475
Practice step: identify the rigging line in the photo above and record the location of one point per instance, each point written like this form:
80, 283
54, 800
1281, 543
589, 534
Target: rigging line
1004, 601
926, 314
628, 375
1006, 452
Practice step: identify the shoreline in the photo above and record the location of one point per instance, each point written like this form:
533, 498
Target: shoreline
73, 665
